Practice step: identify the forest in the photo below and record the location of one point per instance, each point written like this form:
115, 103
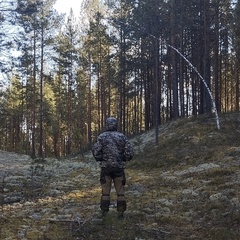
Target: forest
145, 62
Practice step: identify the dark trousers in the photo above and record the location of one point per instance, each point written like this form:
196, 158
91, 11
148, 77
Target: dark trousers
117, 176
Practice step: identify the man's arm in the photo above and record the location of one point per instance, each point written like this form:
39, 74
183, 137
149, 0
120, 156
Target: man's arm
97, 151
128, 151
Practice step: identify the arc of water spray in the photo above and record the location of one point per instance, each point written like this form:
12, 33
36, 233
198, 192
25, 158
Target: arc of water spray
204, 82
190, 64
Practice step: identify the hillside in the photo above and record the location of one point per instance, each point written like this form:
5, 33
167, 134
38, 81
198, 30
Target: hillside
187, 187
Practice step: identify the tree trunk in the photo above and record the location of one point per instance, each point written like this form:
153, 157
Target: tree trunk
206, 64
33, 154
174, 62
156, 93
216, 57
40, 152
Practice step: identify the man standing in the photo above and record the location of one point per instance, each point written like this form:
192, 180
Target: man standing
112, 150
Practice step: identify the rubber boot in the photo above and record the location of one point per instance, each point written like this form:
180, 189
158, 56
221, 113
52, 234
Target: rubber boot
121, 208
104, 207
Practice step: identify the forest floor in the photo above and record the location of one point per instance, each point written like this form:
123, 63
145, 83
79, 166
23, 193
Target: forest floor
187, 187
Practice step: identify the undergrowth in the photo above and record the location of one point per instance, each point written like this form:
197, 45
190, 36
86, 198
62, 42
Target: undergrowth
165, 200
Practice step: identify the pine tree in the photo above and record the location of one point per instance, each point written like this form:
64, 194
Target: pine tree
38, 22
67, 62
236, 42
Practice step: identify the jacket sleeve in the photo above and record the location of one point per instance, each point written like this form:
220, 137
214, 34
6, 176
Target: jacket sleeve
128, 151
97, 151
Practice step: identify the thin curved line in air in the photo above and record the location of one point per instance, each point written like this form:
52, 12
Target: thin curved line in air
190, 64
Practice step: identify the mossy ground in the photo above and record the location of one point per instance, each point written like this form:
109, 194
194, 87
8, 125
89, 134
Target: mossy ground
176, 202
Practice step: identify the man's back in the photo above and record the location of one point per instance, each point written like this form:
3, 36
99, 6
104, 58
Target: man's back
112, 147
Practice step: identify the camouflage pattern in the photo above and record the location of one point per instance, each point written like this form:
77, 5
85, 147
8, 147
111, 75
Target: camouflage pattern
111, 124
112, 149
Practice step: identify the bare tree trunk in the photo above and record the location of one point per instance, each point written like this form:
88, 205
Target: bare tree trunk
237, 90
157, 103
33, 154
40, 151
216, 57
206, 66
122, 86
181, 69
174, 62
89, 106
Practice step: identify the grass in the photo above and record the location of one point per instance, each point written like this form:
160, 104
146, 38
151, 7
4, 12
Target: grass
161, 203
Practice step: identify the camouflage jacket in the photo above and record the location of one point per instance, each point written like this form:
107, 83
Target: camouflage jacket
112, 150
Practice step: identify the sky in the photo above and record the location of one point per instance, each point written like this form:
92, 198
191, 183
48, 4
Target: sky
63, 6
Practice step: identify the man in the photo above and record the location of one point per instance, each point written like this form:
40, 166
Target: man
112, 150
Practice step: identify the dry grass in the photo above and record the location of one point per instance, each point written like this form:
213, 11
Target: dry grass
168, 195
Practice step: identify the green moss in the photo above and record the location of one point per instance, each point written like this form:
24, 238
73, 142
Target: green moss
222, 234
183, 144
